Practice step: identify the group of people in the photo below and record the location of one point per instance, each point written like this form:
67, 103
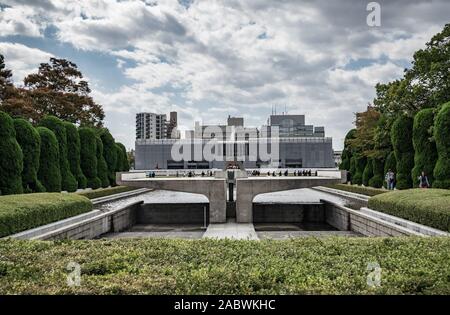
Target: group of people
391, 180
285, 173
193, 174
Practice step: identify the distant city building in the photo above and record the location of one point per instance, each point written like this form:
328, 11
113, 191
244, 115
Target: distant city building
151, 126
172, 132
300, 145
337, 155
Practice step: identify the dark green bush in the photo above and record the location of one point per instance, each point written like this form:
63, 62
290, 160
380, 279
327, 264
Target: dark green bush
11, 158
30, 143
88, 157
425, 153
110, 154
68, 181
23, 212
360, 165
347, 152
425, 206
401, 138
306, 265
119, 160
73, 154
352, 166
102, 168
49, 173
378, 176
125, 163
368, 172
442, 137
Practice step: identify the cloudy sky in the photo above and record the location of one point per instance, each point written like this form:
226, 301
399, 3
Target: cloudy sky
210, 59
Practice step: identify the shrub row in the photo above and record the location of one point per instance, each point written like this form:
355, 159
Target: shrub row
162, 266
425, 206
26, 211
105, 192
368, 191
419, 144
56, 156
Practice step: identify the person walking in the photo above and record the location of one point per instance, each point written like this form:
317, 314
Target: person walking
389, 178
423, 181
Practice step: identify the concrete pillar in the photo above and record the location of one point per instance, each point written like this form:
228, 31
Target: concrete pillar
244, 202
217, 202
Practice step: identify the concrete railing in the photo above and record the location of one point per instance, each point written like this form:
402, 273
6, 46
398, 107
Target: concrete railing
86, 226
346, 219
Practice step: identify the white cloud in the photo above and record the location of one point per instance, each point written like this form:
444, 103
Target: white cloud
22, 59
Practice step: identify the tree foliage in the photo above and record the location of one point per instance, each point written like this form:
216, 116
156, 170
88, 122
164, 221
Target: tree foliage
102, 167
68, 181
401, 137
11, 158
442, 136
49, 173
110, 154
73, 154
368, 172
88, 156
30, 143
125, 165
378, 176
425, 154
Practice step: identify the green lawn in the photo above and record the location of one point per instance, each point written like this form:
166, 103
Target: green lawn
425, 206
26, 211
157, 266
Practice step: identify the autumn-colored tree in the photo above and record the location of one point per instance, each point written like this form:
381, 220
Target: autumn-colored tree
366, 123
58, 89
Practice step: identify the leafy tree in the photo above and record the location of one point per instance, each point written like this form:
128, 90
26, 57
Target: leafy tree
378, 176
5, 80
58, 89
360, 165
368, 172
11, 158
352, 168
401, 137
125, 165
425, 154
68, 181
366, 123
73, 154
49, 173
102, 167
88, 156
30, 142
442, 136
347, 152
110, 154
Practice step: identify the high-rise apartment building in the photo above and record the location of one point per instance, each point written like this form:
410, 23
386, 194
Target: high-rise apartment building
151, 126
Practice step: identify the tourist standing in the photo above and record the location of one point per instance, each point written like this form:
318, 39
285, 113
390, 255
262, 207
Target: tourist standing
423, 181
389, 178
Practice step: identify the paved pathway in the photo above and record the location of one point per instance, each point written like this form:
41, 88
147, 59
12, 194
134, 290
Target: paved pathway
231, 230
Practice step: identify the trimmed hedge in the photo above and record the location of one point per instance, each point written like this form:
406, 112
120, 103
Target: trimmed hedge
102, 168
425, 153
88, 158
73, 154
360, 165
336, 265
352, 166
11, 158
119, 160
110, 154
425, 206
368, 191
442, 137
30, 143
68, 181
368, 172
346, 153
378, 176
103, 192
125, 166
26, 211
49, 173
401, 138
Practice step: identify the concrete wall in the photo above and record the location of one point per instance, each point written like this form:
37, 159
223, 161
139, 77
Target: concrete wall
113, 221
288, 213
344, 218
173, 213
